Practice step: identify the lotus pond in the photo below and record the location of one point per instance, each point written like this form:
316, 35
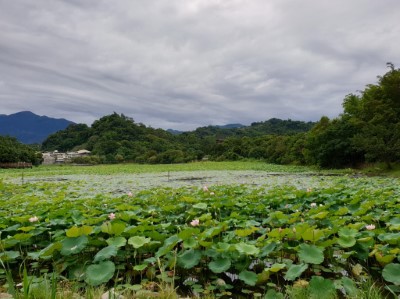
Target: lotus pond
234, 233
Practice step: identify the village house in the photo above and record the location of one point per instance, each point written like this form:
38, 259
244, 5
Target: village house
57, 157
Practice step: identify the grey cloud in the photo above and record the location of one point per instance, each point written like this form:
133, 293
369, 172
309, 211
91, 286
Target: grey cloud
183, 64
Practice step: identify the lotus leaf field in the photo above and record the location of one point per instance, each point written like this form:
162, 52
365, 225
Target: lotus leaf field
248, 237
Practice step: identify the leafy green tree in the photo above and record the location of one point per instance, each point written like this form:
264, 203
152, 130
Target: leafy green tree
11, 151
376, 115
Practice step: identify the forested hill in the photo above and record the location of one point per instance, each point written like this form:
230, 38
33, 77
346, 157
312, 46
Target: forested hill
118, 138
273, 126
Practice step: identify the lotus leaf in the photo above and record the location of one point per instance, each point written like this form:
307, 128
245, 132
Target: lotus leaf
99, 273
220, 265
295, 271
247, 249
311, 254
267, 249
79, 231
321, 288
312, 235
189, 258
277, 267
188, 233
391, 273
105, 253
248, 277
349, 286
113, 228
138, 241
73, 245
116, 241
200, 205
272, 294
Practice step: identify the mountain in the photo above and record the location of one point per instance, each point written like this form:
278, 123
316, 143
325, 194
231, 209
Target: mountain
30, 128
231, 126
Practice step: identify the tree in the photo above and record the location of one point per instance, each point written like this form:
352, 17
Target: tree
376, 115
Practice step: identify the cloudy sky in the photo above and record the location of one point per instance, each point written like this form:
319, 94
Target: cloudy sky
182, 64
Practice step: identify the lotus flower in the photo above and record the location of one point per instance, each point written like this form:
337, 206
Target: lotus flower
313, 205
212, 193
130, 194
111, 216
195, 222
205, 189
370, 227
33, 219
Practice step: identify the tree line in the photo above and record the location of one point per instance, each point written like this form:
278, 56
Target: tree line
368, 130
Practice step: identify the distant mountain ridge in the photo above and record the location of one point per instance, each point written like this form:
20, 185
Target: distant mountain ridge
29, 127
228, 126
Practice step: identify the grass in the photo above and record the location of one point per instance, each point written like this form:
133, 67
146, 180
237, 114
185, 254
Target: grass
109, 169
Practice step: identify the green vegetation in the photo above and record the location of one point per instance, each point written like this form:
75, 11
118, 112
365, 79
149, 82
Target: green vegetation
340, 240
13, 151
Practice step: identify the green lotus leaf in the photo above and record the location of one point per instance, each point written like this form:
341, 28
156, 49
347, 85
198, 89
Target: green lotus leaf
99, 273
320, 215
391, 238
347, 232
346, 241
249, 277
311, 254
247, 249
189, 258
200, 205
73, 245
140, 267
391, 273
277, 267
321, 288
77, 272
49, 250
169, 244
190, 243
267, 249
76, 231
349, 286
113, 228
245, 232
272, 294
138, 241
188, 233
312, 234
116, 241
295, 271
220, 265
22, 237
9, 255
105, 253
27, 228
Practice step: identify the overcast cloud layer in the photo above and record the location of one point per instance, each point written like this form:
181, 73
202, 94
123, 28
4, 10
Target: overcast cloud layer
182, 64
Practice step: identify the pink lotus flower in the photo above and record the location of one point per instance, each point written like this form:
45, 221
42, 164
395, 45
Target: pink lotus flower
130, 194
309, 190
313, 205
195, 222
370, 227
111, 216
33, 219
205, 189
212, 193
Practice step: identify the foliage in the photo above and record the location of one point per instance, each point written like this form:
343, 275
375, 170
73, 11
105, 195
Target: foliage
246, 240
13, 151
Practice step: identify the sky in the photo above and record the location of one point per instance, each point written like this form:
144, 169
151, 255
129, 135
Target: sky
182, 64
